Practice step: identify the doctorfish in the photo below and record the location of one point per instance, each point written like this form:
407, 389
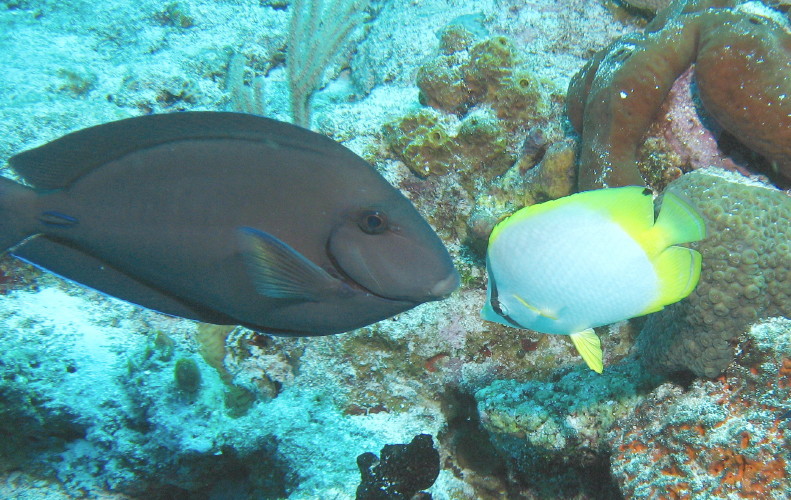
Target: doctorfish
591, 259
224, 218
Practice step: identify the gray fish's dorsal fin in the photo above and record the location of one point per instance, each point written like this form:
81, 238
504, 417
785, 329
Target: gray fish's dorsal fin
59, 163
280, 272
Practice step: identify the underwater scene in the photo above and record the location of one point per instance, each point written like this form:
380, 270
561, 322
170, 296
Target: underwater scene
395, 249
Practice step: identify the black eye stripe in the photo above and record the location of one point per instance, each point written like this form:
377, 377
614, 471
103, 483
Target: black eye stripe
494, 300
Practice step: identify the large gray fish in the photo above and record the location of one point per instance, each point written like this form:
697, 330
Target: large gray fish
224, 218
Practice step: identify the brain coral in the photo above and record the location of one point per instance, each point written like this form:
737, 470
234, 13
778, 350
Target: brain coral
742, 58
746, 274
723, 438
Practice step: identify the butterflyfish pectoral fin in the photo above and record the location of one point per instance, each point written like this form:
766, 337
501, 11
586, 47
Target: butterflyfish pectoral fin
589, 347
541, 312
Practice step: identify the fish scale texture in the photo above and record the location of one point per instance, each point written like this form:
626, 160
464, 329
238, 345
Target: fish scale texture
746, 275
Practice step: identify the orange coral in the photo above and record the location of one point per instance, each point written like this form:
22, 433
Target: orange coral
724, 436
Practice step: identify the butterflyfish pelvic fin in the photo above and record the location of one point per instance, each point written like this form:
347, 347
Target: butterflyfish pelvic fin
589, 347
541, 312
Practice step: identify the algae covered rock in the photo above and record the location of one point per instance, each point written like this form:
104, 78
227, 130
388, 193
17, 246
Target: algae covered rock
745, 276
538, 425
187, 375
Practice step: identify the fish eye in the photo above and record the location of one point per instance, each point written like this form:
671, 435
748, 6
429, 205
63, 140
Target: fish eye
373, 222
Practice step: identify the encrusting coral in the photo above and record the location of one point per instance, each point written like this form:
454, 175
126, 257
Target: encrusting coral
715, 439
746, 274
723, 438
741, 54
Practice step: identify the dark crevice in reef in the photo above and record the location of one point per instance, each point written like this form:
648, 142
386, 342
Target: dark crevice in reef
470, 455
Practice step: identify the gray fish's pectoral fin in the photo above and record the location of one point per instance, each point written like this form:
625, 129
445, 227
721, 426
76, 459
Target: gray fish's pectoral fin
77, 266
281, 272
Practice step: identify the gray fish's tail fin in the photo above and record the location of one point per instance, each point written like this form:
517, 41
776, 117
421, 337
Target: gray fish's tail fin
14, 225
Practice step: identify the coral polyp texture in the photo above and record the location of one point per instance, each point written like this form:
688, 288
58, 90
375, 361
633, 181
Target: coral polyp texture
746, 274
741, 53
718, 439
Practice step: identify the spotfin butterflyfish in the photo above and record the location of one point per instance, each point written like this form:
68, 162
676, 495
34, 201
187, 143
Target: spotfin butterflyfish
224, 218
591, 259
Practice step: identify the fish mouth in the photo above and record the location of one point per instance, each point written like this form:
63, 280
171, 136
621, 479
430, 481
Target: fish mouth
445, 287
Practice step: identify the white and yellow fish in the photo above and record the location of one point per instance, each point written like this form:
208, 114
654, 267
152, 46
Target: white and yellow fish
591, 259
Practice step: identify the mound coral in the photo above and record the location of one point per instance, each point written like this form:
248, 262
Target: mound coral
718, 439
746, 274
742, 64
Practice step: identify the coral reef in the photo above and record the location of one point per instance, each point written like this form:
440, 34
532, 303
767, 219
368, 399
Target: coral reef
542, 424
746, 274
430, 144
648, 5
717, 439
741, 56
401, 470
478, 92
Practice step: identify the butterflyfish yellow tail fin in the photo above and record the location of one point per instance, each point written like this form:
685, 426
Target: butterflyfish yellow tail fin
589, 347
678, 270
678, 221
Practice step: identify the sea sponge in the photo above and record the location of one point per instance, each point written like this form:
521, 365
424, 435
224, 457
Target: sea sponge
401, 471
742, 57
442, 86
486, 93
489, 72
422, 142
432, 144
745, 276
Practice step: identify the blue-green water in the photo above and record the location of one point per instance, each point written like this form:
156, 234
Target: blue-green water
462, 107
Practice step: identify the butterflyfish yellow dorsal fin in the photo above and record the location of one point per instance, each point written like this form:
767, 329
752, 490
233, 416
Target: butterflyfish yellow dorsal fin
631, 207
